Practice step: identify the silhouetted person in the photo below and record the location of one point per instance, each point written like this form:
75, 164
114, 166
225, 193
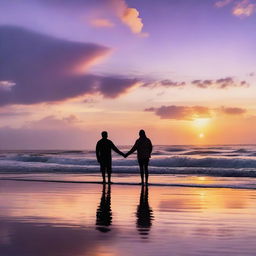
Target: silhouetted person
144, 148
104, 156
144, 213
104, 213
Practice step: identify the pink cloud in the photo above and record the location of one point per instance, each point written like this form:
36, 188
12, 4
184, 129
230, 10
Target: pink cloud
241, 8
244, 8
103, 23
223, 3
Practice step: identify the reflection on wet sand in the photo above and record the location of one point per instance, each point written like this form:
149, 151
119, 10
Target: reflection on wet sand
19, 238
144, 213
104, 213
50, 219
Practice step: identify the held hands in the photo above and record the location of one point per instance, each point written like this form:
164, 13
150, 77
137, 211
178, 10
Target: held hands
124, 155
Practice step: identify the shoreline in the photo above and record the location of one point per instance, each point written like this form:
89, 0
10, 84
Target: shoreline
150, 184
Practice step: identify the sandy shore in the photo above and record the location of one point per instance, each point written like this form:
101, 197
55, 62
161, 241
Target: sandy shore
41, 218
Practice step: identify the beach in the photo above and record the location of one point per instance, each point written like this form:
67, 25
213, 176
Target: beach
78, 219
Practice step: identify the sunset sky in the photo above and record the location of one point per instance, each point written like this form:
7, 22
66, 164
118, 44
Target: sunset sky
183, 70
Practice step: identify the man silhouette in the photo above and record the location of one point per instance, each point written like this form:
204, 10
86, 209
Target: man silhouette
104, 156
144, 147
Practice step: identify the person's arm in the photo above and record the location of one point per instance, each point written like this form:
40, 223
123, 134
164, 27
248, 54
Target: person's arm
98, 151
133, 149
116, 149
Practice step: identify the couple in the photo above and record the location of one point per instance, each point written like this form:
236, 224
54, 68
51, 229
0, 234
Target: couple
104, 146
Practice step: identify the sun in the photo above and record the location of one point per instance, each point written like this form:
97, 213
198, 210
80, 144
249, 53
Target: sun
201, 122
201, 135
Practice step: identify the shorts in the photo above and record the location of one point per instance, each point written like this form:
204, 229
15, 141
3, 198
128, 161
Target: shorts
106, 166
143, 161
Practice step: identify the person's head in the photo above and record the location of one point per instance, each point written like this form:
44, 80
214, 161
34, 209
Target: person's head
142, 133
104, 134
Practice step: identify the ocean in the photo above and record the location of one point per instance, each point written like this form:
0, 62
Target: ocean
235, 163
200, 201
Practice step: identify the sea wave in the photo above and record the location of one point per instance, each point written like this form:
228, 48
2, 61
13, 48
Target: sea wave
172, 161
13, 168
212, 162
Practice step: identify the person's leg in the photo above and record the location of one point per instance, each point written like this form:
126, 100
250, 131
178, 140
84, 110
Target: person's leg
146, 172
103, 171
103, 175
109, 170
109, 176
141, 172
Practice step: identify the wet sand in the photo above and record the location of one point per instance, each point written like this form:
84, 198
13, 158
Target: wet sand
42, 218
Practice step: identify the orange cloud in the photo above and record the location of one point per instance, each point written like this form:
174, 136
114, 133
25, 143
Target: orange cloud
131, 19
104, 23
129, 16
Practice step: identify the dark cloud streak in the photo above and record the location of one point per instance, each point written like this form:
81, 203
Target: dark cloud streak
45, 69
192, 112
180, 112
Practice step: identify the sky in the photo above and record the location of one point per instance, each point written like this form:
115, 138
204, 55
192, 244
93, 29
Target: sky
182, 70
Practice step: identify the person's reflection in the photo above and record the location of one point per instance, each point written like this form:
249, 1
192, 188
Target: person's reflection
104, 213
144, 213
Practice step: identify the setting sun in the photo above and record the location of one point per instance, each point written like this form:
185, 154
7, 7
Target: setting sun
201, 122
201, 135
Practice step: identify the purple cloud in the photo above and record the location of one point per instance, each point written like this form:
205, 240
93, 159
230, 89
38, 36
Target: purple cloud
164, 83
181, 112
233, 110
192, 112
38, 68
221, 83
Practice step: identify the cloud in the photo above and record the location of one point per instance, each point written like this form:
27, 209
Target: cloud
131, 19
112, 87
114, 9
164, 83
104, 23
6, 85
11, 114
52, 122
192, 112
242, 8
38, 68
221, 83
129, 16
233, 110
181, 112
223, 3
50, 132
